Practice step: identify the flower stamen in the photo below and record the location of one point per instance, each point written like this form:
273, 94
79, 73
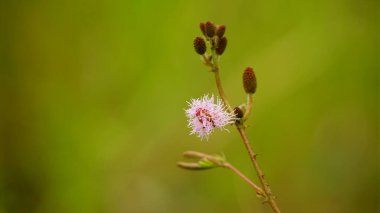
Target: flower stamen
204, 115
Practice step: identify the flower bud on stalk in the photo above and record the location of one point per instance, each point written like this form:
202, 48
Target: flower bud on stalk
220, 31
199, 45
202, 26
249, 81
210, 29
238, 112
222, 44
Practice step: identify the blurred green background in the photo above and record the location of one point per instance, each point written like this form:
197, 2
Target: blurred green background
93, 92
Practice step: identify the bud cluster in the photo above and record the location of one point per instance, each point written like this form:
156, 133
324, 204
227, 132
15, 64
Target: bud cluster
213, 35
210, 46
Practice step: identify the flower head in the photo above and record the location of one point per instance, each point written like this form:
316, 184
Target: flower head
204, 115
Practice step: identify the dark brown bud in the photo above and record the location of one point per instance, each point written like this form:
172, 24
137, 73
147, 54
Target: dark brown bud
238, 112
202, 26
249, 80
199, 45
222, 44
210, 29
220, 30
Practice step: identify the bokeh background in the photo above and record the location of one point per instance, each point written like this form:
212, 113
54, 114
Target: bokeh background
93, 97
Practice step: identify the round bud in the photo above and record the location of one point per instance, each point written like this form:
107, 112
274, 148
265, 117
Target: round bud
222, 44
220, 30
249, 80
238, 112
202, 26
199, 45
210, 29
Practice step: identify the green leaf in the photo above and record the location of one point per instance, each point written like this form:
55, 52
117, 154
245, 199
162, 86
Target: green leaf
204, 163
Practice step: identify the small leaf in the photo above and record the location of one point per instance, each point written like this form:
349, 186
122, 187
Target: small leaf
191, 166
221, 158
204, 163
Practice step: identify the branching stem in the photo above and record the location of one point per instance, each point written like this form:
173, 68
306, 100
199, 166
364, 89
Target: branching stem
218, 162
241, 128
258, 190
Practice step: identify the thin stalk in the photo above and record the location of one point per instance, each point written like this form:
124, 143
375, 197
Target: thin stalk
259, 172
241, 129
249, 106
221, 91
218, 162
258, 190
215, 69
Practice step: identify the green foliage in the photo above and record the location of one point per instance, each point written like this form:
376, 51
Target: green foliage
93, 94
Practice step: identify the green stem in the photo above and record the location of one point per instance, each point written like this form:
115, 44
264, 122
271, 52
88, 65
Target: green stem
241, 129
218, 162
258, 190
218, 82
249, 106
259, 172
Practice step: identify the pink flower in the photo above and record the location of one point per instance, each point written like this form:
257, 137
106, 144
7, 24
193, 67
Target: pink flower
204, 116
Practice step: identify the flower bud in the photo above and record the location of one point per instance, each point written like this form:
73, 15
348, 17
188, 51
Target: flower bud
199, 45
194, 166
202, 26
210, 29
220, 31
238, 112
249, 80
222, 43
